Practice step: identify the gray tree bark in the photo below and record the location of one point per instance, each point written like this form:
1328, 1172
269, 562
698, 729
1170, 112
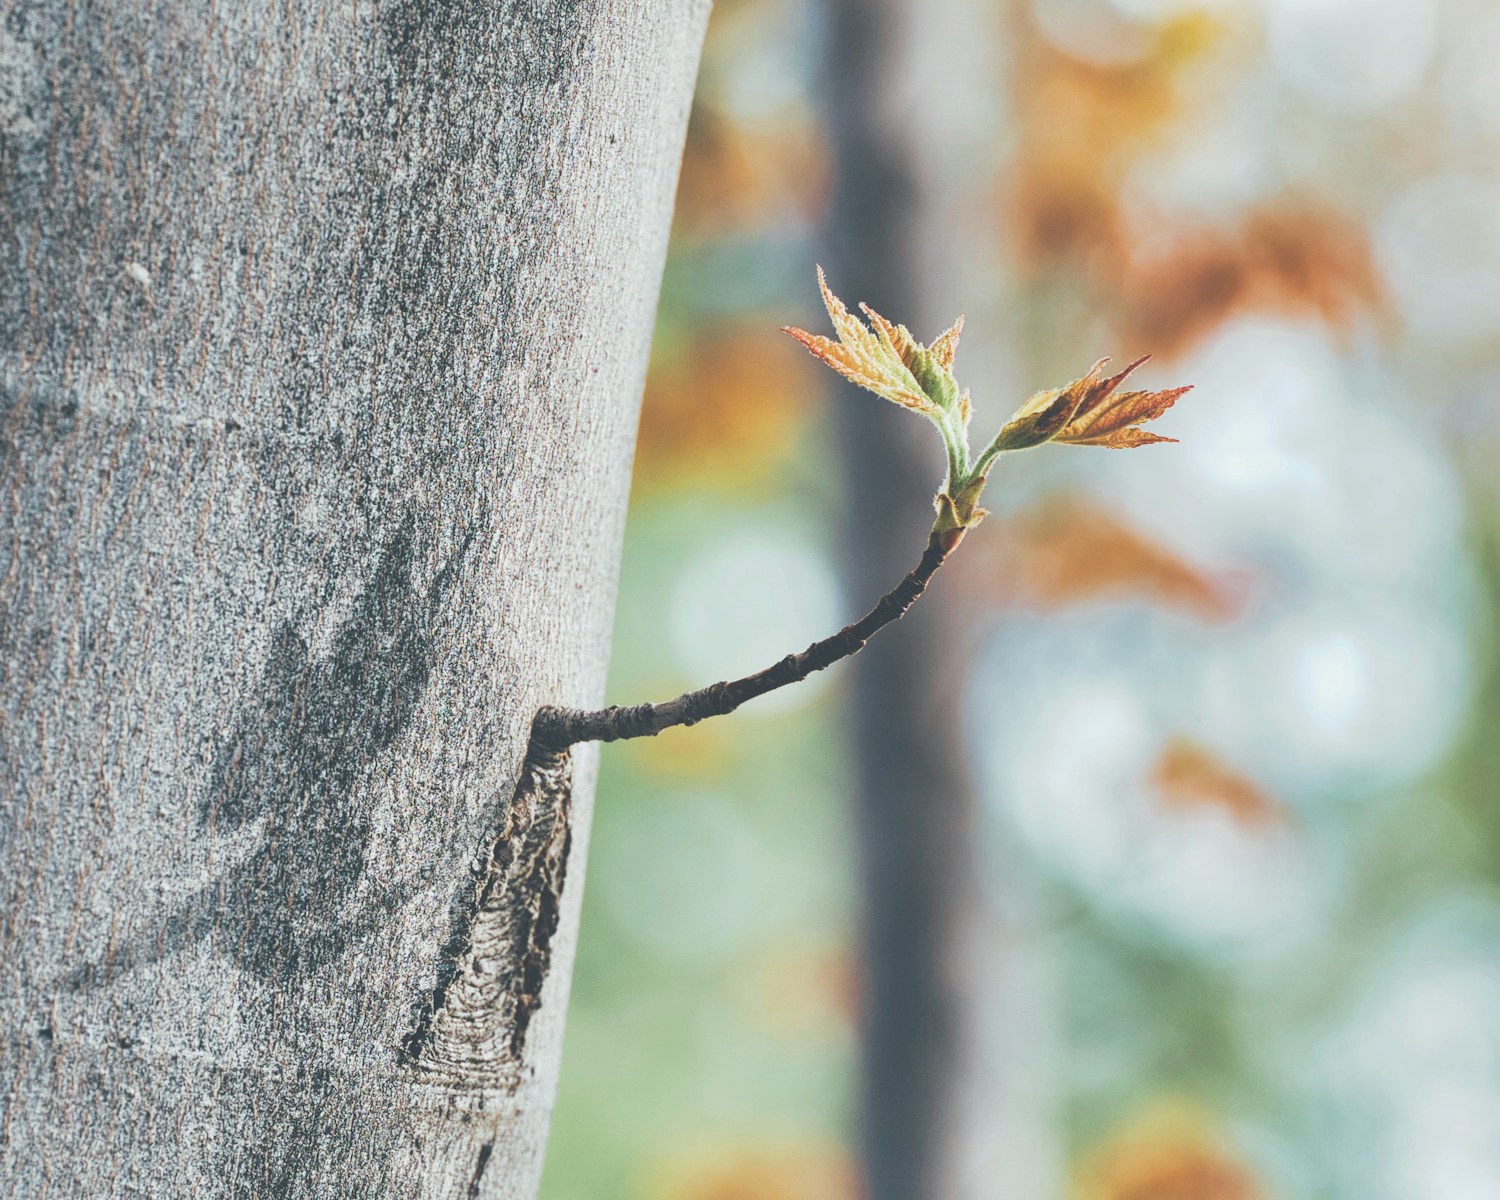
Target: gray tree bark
322, 330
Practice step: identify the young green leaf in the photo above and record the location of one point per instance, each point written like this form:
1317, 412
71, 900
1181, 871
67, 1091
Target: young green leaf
886, 359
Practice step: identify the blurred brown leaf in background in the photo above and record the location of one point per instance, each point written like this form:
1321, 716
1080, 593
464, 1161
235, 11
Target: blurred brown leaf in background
1083, 127
1089, 130
723, 409
804, 1173
802, 990
737, 177
1291, 257
1068, 550
1188, 776
1167, 1156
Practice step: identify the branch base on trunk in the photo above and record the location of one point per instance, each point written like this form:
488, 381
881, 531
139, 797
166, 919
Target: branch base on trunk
472, 1033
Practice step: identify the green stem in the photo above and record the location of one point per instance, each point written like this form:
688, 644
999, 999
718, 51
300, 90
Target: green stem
957, 446
990, 454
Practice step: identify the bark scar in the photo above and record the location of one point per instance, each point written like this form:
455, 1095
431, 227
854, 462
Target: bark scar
471, 1031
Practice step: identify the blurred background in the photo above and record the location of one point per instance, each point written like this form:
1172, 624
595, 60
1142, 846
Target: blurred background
1155, 856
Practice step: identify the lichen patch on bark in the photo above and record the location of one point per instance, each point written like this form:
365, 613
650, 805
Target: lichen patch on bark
471, 1033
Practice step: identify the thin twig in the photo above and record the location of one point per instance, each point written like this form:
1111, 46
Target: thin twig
558, 728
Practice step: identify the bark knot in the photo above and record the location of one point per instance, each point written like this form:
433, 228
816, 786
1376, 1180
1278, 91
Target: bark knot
471, 1032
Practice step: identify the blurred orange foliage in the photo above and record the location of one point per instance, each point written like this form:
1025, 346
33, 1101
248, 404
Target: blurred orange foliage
700, 754
1068, 550
724, 408
806, 1173
1088, 129
1291, 257
1167, 1156
803, 990
1082, 128
737, 178
1189, 776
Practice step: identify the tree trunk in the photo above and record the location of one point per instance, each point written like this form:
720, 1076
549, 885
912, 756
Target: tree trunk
322, 331
945, 999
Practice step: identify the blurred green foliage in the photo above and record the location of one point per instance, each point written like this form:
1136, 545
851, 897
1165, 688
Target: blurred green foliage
1279, 977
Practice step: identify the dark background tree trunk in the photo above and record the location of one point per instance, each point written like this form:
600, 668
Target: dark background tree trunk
933, 949
322, 331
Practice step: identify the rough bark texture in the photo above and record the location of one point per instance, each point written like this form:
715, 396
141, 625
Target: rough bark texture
929, 1073
322, 328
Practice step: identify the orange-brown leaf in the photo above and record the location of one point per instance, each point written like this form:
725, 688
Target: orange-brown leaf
874, 361
865, 369
1038, 420
896, 339
826, 350
1089, 412
946, 346
1044, 415
1102, 389
1125, 439
1112, 420
848, 327
1189, 776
